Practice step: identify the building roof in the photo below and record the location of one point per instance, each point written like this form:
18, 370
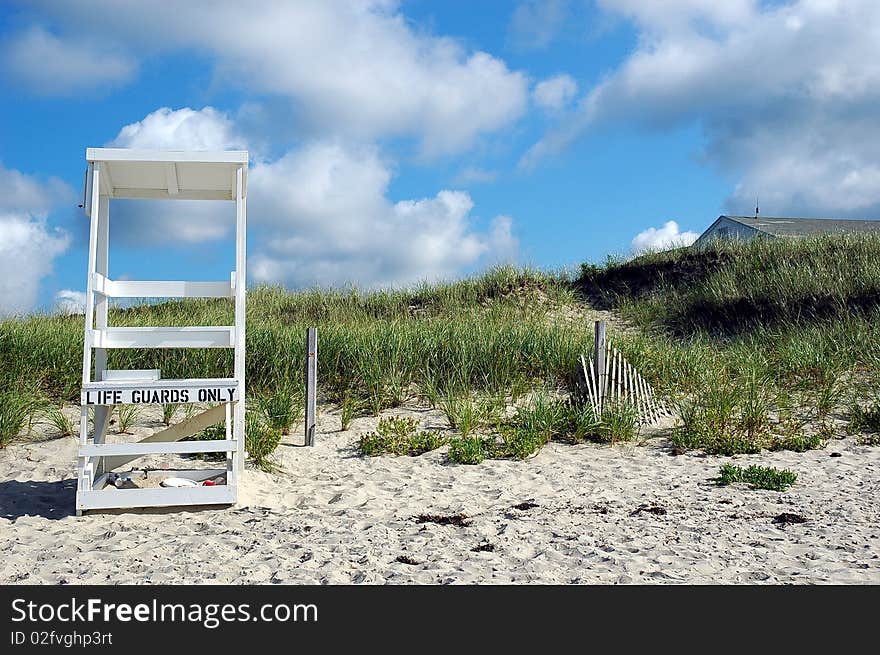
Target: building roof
799, 227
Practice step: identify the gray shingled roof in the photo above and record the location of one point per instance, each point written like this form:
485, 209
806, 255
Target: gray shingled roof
798, 227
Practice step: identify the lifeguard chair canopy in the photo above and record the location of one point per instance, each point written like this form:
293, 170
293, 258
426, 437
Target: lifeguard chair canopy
114, 173
168, 174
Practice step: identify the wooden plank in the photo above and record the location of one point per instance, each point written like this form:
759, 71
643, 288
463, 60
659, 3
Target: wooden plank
171, 177
194, 156
131, 375
613, 376
163, 383
175, 432
311, 384
597, 407
160, 288
159, 497
159, 392
182, 194
605, 392
164, 337
158, 448
588, 381
646, 402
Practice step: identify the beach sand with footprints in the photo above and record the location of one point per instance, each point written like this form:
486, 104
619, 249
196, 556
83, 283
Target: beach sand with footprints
571, 514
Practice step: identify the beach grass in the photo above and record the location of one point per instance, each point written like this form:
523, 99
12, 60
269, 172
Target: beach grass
761, 345
759, 477
398, 435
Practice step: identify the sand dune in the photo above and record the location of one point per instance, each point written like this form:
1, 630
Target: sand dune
581, 514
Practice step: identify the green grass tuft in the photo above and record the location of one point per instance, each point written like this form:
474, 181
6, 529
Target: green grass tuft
760, 477
261, 440
398, 435
17, 407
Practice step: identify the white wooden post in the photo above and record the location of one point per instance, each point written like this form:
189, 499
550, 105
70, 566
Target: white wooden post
311, 384
90, 284
240, 290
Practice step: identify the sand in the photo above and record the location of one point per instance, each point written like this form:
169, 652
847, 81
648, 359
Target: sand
572, 514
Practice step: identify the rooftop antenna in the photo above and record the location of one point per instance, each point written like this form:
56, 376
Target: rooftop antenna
756, 207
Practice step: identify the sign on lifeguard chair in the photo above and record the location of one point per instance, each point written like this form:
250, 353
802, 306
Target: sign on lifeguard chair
163, 175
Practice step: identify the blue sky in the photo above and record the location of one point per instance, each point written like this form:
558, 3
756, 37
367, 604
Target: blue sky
398, 141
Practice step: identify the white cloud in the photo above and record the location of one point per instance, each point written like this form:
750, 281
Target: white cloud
50, 65
664, 238
28, 246
319, 214
188, 221
535, 23
503, 245
68, 301
555, 92
183, 129
786, 95
351, 69
330, 222
24, 193
475, 175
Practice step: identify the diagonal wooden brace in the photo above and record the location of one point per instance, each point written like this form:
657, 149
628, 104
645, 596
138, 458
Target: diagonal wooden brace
175, 432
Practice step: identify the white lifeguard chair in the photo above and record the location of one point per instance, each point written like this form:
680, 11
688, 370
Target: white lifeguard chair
166, 175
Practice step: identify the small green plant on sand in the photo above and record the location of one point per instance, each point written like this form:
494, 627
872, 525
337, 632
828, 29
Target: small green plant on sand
63, 425
618, 422
347, 411
282, 407
16, 408
467, 413
261, 440
798, 443
864, 419
210, 433
399, 435
760, 477
126, 415
467, 450
168, 411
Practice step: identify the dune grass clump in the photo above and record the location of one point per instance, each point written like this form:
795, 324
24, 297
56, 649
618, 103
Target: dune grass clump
168, 411
261, 440
737, 331
282, 406
467, 413
864, 418
58, 420
126, 415
17, 406
547, 418
398, 435
759, 477
469, 450
210, 433
735, 286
